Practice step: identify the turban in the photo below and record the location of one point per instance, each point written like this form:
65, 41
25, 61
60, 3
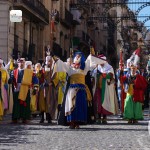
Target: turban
27, 63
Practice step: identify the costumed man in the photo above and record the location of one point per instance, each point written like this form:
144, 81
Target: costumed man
105, 99
148, 65
135, 86
120, 86
89, 83
78, 93
3, 91
39, 71
60, 81
34, 97
48, 103
147, 98
22, 79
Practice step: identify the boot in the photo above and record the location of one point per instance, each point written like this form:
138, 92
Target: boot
42, 117
49, 118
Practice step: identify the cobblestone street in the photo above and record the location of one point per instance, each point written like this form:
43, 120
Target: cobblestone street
117, 134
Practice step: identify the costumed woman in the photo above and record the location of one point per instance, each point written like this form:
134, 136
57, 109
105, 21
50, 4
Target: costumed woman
3, 91
78, 93
135, 86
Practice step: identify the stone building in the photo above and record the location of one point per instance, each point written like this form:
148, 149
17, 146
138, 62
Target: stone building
26, 38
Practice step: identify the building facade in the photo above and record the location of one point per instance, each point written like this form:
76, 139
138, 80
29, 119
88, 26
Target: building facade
26, 38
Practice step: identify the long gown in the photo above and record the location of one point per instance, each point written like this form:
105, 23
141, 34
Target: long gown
105, 99
76, 97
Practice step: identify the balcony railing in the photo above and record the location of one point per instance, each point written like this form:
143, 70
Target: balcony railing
36, 6
67, 19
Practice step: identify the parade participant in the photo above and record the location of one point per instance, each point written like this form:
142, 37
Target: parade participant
48, 99
3, 91
148, 65
135, 86
62, 119
22, 78
105, 99
60, 83
120, 87
77, 95
34, 97
147, 98
89, 83
9, 68
40, 97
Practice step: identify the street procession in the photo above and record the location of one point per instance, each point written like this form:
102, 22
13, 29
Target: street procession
76, 92
74, 74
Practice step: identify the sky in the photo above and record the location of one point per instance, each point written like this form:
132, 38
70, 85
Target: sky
144, 12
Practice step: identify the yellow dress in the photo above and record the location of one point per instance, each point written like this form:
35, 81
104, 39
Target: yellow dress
3, 98
61, 79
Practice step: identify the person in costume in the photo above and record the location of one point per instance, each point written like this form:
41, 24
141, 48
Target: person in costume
78, 93
62, 119
22, 79
120, 87
60, 83
3, 91
148, 65
89, 83
105, 99
135, 86
40, 97
34, 97
48, 97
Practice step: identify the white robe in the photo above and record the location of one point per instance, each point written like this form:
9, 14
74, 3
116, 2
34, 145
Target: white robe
110, 99
61, 66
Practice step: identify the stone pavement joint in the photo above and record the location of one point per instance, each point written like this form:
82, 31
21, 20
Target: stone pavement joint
116, 135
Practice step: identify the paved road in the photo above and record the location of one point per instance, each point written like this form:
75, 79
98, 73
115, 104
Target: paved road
116, 135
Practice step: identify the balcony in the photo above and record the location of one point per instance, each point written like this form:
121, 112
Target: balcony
66, 19
33, 8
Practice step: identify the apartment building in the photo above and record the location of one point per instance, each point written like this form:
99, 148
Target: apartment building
26, 38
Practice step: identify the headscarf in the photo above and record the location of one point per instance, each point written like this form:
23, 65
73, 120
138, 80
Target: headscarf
82, 61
